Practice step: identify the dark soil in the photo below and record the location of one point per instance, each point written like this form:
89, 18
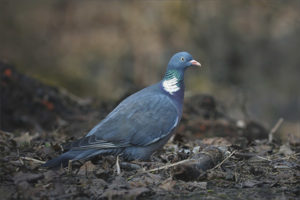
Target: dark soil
222, 158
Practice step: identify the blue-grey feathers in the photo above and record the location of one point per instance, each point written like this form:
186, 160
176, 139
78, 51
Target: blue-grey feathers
138, 126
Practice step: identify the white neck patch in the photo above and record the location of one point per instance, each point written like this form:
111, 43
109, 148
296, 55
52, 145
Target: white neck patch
170, 85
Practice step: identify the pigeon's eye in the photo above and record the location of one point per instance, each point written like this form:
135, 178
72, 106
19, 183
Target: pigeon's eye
182, 58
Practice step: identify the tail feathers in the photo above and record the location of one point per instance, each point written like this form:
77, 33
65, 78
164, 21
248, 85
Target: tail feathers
63, 159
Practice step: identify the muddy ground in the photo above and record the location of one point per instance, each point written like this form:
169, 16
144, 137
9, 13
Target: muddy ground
211, 156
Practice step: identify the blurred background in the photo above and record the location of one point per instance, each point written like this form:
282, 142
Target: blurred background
104, 50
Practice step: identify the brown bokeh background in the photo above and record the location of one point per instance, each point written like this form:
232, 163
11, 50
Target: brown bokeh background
103, 50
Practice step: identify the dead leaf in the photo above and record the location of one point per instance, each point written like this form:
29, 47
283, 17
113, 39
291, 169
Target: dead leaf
87, 168
132, 193
196, 185
217, 141
286, 150
26, 177
25, 138
250, 183
168, 184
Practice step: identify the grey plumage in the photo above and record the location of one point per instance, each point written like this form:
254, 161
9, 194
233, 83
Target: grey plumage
139, 125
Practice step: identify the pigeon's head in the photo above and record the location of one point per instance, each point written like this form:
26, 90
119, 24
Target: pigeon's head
181, 61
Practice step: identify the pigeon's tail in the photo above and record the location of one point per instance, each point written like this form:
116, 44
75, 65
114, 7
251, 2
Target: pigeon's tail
73, 155
61, 160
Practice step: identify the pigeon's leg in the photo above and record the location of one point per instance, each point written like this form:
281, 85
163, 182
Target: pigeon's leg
118, 166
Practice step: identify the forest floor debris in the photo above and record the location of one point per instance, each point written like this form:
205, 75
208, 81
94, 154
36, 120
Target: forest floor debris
211, 156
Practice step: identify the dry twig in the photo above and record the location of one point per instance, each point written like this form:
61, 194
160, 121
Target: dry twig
33, 160
274, 129
163, 167
221, 163
118, 166
169, 165
69, 167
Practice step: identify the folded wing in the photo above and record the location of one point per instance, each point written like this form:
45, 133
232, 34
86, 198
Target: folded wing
140, 120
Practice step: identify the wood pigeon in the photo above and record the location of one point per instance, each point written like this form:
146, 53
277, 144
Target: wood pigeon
141, 124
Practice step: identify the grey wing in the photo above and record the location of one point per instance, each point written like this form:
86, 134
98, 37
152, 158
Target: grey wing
138, 120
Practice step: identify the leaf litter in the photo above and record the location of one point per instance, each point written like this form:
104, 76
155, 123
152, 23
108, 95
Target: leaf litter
211, 156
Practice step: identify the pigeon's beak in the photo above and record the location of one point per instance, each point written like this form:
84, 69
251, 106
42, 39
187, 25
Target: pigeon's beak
195, 63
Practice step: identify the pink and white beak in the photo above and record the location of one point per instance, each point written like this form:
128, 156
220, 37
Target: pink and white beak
195, 63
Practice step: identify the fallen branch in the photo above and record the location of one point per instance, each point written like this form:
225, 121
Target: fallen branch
192, 168
207, 159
